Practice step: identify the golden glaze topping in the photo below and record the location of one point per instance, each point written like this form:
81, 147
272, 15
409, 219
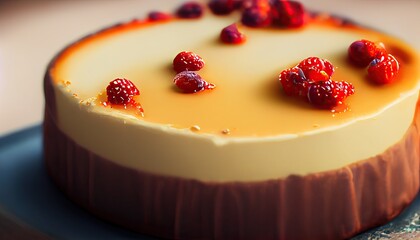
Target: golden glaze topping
247, 100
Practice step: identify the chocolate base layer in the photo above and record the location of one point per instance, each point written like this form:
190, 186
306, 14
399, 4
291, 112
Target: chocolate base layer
329, 205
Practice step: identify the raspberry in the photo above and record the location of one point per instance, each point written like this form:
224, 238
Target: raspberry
231, 34
314, 63
191, 82
121, 91
222, 7
288, 14
157, 16
263, 5
329, 94
315, 75
294, 82
311, 79
362, 52
256, 17
346, 87
383, 70
187, 61
190, 10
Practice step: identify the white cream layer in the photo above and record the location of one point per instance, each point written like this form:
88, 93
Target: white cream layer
163, 149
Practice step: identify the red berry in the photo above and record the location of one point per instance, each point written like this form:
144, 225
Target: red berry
346, 87
121, 91
157, 16
383, 70
231, 34
315, 75
190, 10
362, 52
328, 94
288, 14
256, 17
294, 82
187, 61
314, 63
222, 7
191, 82
261, 4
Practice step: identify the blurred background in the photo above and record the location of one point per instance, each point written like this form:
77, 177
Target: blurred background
33, 31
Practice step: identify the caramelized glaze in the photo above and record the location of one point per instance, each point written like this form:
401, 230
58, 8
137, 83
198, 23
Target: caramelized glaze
248, 99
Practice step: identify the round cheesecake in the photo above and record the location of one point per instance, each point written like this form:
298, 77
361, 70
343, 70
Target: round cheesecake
242, 160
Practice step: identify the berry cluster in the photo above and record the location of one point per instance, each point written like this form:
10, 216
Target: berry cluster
277, 13
311, 80
258, 14
254, 13
382, 67
263, 13
188, 81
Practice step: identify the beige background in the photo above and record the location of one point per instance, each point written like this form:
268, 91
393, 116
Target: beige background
31, 32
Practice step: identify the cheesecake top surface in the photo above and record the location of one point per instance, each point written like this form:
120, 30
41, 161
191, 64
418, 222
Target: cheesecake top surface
248, 100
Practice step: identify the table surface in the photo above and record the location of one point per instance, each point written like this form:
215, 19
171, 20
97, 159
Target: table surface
31, 32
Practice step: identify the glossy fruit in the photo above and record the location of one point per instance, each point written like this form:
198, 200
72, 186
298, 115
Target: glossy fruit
311, 80
383, 70
121, 91
263, 5
190, 10
329, 94
314, 75
231, 34
222, 7
157, 16
362, 52
287, 14
256, 17
318, 64
294, 82
187, 61
346, 87
191, 82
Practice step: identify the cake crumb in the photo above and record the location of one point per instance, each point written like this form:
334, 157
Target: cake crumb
195, 128
316, 125
90, 101
66, 83
75, 95
226, 131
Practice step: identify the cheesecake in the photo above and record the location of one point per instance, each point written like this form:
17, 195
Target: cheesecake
241, 159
